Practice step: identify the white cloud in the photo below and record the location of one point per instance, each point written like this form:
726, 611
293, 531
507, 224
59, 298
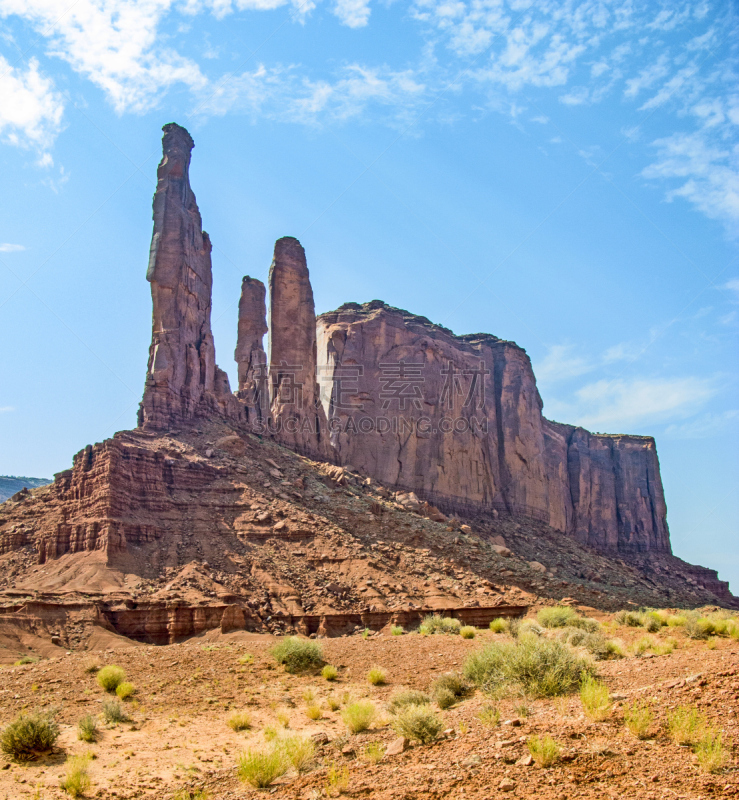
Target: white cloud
31, 109
707, 170
627, 404
354, 13
560, 363
733, 286
704, 425
6, 409
6, 247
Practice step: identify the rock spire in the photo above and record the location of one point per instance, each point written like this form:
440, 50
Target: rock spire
250, 356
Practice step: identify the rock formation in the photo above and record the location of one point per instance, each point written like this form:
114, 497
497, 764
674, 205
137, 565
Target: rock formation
457, 419
249, 354
297, 414
182, 380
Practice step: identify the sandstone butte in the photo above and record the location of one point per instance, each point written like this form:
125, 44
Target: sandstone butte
369, 465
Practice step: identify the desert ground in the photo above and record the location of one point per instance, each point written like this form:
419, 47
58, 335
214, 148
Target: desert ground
176, 741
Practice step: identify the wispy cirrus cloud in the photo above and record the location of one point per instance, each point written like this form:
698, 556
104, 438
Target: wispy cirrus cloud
6, 247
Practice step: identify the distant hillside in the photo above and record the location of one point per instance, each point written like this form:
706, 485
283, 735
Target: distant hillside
10, 484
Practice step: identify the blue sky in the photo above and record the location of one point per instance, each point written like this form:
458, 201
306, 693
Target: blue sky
562, 174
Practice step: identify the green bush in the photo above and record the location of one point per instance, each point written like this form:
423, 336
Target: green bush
556, 617
418, 723
298, 655
396, 630
544, 750
125, 690
239, 721
110, 677
29, 735
445, 699
539, 667
300, 751
376, 676
638, 718
358, 716
330, 673
448, 688
652, 622
586, 624
699, 627
87, 729
686, 725
467, 632
407, 697
489, 715
498, 625
76, 780
596, 701
630, 619
710, 751
261, 767
595, 643
433, 623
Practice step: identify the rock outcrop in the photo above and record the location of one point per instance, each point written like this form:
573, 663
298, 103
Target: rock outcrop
457, 419
250, 356
298, 418
182, 379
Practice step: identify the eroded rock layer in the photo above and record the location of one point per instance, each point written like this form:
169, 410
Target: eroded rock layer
457, 419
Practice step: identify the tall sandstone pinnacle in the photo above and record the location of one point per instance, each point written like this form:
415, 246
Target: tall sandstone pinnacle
182, 381
297, 414
249, 354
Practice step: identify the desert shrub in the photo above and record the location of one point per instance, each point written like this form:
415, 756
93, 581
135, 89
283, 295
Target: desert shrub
87, 729
333, 703
710, 751
23, 660
299, 751
125, 690
313, 712
76, 780
91, 665
260, 767
676, 620
407, 697
537, 666
595, 699
29, 735
467, 632
595, 643
283, 719
246, 659
732, 629
239, 721
556, 617
396, 630
585, 624
639, 718
498, 625
685, 725
528, 626
330, 673
434, 623
191, 794
665, 647
448, 688
113, 712
376, 676
699, 627
270, 733
489, 715
373, 752
309, 695
337, 779
110, 677
653, 621
629, 619
418, 723
544, 750
358, 716
298, 655
444, 698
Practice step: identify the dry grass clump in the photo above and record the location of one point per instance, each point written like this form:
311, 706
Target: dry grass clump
544, 750
498, 625
87, 729
91, 665
556, 617
313, 712
639, 718
260, 768
710, 751
29, 735
337, 780
396, 630
373, 752
299, 751
448, 688
110, 677
434, 623
246, 659
329, 673
538, 667
125, 690
699, 627
191, 794
23, 660
76, 780
298, 655
418, 723
358, 716
333, 703
407, 697
113, 712
595, 699
468, 632
239, 721
595, 643
376, 676
686, 725
489, 715
650, 644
